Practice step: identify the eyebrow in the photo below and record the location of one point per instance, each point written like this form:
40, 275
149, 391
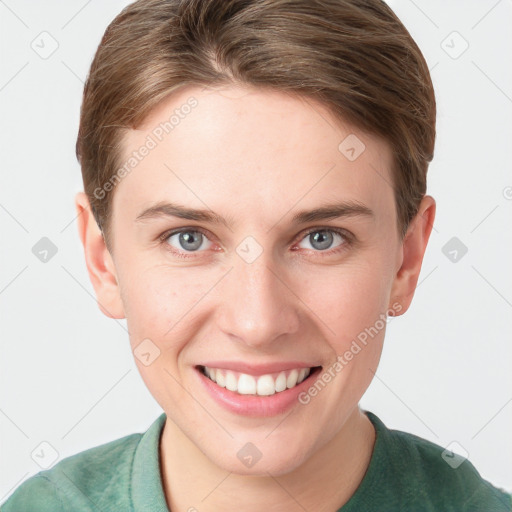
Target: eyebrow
324, 212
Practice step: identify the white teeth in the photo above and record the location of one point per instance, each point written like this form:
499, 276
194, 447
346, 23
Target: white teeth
246, 384
292, 379
220, 379
281, 382
231, 382
264, 385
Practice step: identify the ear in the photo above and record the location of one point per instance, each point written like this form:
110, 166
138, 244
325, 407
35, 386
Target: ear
413, 249
100, 264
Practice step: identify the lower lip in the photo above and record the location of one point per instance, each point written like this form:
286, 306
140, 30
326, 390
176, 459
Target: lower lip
253, 405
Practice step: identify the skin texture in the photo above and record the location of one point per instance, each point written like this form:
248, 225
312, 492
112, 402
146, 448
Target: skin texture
256, 157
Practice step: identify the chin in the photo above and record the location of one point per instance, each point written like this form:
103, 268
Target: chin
247, 463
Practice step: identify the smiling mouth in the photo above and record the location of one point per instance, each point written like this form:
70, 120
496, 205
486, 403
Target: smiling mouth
262, 385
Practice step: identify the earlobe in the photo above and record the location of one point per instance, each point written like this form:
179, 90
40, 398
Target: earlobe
413, 249
98, 259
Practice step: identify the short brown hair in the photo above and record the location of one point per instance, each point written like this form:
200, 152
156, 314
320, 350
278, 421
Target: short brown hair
353, 56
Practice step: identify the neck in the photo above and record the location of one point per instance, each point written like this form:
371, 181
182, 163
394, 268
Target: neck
324, 483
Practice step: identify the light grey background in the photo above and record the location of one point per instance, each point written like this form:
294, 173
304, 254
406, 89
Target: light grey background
67, 375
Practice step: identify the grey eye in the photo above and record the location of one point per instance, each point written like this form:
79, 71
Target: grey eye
322, 239
188, 240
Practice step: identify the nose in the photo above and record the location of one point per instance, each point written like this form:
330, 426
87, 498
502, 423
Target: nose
258, 305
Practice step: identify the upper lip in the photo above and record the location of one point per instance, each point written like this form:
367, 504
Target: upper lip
257, 369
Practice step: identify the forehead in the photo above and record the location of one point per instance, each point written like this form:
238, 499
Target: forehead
252, 148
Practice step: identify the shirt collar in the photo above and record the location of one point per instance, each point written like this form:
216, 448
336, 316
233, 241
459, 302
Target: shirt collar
146, 491
147, 494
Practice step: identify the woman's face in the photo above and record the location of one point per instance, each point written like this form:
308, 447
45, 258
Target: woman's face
255, 284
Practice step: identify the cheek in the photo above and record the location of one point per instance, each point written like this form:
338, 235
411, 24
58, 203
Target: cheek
150, 304
161, 302
349, 298
161, 306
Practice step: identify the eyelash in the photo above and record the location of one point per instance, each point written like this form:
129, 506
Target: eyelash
348, 239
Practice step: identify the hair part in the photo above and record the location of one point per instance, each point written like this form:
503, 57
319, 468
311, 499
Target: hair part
353, 56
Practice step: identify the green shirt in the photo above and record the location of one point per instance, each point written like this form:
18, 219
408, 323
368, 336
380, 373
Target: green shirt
406, 473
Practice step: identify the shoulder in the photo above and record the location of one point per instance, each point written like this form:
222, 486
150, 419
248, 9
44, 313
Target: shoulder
85, 481
439, 476
38, 494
